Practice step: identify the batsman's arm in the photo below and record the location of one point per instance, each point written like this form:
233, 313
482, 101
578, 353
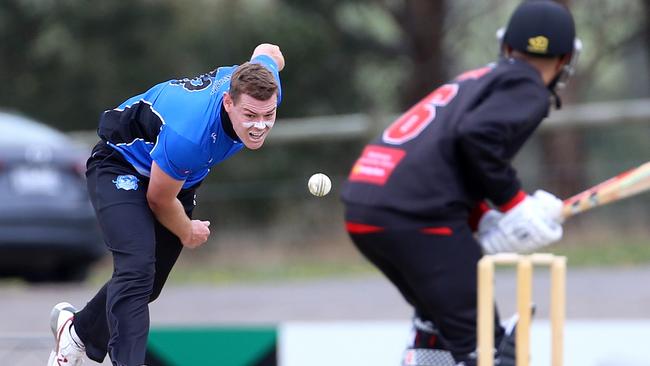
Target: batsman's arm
490, 134
624, 185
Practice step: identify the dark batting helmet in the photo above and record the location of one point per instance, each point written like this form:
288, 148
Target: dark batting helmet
541, 28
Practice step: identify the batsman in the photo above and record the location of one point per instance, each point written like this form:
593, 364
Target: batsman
437, 190
155, 150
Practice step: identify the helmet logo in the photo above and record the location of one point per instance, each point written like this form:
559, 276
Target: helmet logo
537, 44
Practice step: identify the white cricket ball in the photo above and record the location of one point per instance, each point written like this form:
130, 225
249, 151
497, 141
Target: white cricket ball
319, 184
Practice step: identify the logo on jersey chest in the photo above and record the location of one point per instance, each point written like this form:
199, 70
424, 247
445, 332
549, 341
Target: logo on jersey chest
195, 84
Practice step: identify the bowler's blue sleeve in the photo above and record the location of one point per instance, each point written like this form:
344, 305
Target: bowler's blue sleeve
268, 62
176, 155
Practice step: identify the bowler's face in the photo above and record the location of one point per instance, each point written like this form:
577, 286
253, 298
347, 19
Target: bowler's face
251, 119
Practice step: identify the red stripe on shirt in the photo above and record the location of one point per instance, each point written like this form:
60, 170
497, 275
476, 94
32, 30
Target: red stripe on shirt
514, 201
357, 228
439, 230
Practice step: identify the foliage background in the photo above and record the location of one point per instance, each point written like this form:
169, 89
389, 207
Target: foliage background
65, 61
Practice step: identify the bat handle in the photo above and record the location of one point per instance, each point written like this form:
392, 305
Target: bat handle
568, 210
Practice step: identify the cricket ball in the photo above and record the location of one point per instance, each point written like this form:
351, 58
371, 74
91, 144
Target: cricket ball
319, 184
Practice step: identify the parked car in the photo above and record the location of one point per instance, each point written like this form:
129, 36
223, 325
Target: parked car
48, 231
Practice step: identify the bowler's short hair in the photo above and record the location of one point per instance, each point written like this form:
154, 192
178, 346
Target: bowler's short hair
252, 79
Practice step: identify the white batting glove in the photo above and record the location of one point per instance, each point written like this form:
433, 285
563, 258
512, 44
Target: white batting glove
551, 204
532, 224
488, 221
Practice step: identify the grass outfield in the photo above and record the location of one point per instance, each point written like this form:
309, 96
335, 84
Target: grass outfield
606, 252
224, 264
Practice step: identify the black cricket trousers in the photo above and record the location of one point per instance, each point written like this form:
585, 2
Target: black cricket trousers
435, 273
116, 320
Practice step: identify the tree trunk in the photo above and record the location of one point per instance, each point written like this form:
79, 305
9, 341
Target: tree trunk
564, 161
422, 22
646, 32
563, 152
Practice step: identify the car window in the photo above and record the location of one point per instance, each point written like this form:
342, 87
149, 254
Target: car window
16, 129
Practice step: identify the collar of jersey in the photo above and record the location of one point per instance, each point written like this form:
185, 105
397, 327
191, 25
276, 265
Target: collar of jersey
226, 124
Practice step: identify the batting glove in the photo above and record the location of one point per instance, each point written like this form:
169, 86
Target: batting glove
532, 224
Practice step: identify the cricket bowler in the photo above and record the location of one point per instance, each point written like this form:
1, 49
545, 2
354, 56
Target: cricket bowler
155, 149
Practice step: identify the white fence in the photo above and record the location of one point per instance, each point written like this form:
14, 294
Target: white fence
363, 125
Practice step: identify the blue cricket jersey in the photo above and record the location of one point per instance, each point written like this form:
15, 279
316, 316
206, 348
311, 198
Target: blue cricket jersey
180, 124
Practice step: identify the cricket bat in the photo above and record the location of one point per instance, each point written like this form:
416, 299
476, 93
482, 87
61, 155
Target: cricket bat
626, 184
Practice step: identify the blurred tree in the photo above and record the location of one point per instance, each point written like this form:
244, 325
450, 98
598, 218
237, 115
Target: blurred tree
414, 39
563, 153
66, 61
422, 24
646, 21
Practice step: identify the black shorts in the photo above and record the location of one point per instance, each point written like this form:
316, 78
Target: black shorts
434, 269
